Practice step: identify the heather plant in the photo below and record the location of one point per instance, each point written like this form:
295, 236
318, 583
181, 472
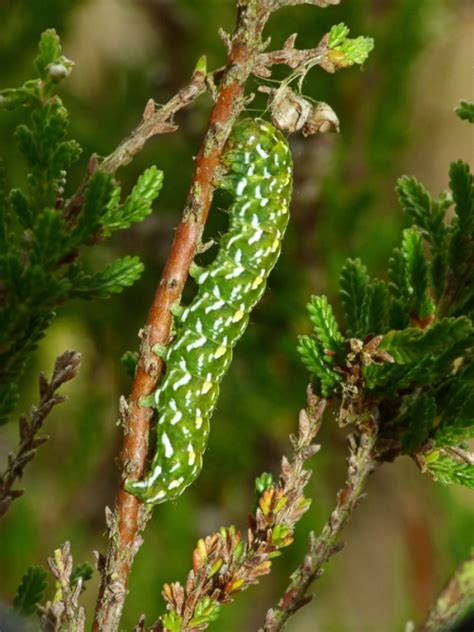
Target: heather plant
396, 374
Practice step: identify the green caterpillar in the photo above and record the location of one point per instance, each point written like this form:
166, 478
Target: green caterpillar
259, 176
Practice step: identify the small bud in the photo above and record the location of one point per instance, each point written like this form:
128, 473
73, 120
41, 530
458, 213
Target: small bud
289, 110
201, 65
58, 72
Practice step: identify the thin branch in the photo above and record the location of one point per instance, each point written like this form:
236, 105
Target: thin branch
453, 601
361, 463
154, 122
223, 564
279, 4
65, 369
130, 517
292, 56
64, 612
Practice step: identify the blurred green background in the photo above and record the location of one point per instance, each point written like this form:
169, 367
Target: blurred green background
396, 117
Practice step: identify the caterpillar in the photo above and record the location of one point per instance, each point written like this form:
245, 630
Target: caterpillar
259, 176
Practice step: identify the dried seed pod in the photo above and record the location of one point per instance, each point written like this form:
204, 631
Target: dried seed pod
321, 119
289, 110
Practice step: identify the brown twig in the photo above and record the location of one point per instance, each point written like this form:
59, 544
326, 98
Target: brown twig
453, 600
65, 369
361, 463
223, 564
294, 58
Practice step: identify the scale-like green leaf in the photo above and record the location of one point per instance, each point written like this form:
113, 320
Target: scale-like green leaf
414, 200
412, 345
49, 52
138, 204
30, 591
49, 238
81, 571
416, 267
374, 309
111, 280
129, 361
337, 34
324, 322
353, 51
314, 358
98, 197
446, 470
456, 410
416, 421
465, 111
461, 184
353, 286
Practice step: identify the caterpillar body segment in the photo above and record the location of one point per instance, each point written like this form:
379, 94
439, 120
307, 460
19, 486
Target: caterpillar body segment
259, 176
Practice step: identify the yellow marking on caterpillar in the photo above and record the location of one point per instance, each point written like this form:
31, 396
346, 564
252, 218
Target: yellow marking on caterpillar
206, 387
220, 352
239, 314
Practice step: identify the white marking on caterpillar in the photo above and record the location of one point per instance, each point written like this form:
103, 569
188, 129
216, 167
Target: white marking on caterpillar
176, 417
182, 382
168, 447
197, 343
176, 483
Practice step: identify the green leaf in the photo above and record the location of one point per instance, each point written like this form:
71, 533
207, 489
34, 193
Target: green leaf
325, 324
337, 34
49, 238
81, 571
461, 185
416, 267
465, 111
21, 208
129, 361
13, 98
111, 280
99, 194
262, 483
49, 52
398, 285
456, 408
412, 345
416, 421
172, 622
351, 51
356, 51
446, 470
30, 591
414, 200
138, 204
353, 287
390, 378
316, 361
429, 216
206, 611
26, 143
374, 310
